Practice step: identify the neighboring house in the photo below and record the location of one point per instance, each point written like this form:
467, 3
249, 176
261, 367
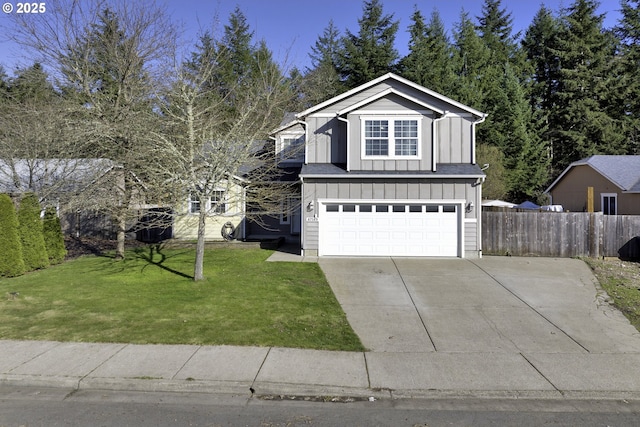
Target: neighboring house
225, 218
56, 181
385, 169
615, 181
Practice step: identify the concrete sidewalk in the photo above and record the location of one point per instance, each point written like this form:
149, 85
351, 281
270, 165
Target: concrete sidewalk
497, 327
282, 371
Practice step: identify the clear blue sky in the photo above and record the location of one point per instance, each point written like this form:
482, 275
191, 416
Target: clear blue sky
291, 27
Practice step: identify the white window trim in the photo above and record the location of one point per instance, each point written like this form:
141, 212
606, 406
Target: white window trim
613, 195
392, 148
291, 135
208, 205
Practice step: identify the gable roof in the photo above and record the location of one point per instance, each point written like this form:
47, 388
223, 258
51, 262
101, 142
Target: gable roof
623, 171
391, 76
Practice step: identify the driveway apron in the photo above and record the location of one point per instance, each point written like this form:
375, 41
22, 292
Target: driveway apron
490, 305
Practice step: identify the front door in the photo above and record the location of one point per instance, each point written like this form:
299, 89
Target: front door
294, 202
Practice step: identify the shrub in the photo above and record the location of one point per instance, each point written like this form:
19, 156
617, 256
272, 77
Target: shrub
11, 262
34, 252
53, 238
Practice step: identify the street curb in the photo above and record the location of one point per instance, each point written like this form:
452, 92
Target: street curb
285, 391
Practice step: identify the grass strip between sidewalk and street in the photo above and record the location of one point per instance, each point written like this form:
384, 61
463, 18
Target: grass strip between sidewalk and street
151, 298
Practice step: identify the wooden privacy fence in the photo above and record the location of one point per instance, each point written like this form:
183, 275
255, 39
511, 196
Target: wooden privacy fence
555, 234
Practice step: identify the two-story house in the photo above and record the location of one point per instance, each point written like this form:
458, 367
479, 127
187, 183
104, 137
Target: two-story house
385, 169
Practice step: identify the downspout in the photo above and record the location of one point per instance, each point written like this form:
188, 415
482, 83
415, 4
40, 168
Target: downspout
342, 119
303, 218
434, 142
473, 137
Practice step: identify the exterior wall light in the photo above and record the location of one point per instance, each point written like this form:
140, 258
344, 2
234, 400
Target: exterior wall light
469, 207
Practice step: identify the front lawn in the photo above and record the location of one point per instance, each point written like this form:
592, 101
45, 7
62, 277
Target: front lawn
150, 298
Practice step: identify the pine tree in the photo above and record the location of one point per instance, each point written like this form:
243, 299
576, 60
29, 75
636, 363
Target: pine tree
580, 123
326, 49
107, 67
53, 238
34, 251
370, 53
236, 52
322, 80
429, 60
11, 261
627, 89
527, 162
471, 58
496, 27
539, 44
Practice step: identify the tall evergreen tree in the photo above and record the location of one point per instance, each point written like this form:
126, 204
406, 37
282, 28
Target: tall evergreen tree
326, 49
429, 60
53, 237
628, 87
108, 68
236, 52
34, 251
371, 52
581, 124
471, 58
496, 26
31, 84
11, 261
322, 80
540, 44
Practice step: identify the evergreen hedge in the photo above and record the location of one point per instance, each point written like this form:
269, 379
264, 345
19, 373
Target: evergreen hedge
34, 252
11, 262
53, 238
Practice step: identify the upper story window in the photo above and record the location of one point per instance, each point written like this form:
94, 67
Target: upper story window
384, 137
292, 147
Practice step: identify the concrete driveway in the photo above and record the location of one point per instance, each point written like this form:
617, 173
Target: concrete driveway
491, 305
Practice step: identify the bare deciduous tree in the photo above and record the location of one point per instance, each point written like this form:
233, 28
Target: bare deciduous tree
107, 60
215, 136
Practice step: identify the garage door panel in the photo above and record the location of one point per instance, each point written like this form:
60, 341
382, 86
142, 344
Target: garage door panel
415, 229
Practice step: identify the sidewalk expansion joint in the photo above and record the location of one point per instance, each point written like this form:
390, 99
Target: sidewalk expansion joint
541, 374
255, 378
529, 305
185, 362
424, 325
101, 364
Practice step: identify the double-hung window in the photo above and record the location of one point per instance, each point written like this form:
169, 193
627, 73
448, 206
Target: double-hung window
397, 137
292, 147
216, 204
376, 137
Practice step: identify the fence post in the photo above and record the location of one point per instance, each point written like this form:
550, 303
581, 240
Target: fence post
591, 235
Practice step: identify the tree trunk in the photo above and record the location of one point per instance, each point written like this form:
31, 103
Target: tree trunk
199, 263
121, 235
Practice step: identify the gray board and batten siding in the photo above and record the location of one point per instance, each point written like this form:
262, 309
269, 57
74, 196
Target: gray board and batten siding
326, 133
431, 190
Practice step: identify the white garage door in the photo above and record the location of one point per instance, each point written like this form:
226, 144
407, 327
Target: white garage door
389, 229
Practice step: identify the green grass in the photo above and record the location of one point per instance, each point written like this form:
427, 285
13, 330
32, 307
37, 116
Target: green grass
152, 299
621, 281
